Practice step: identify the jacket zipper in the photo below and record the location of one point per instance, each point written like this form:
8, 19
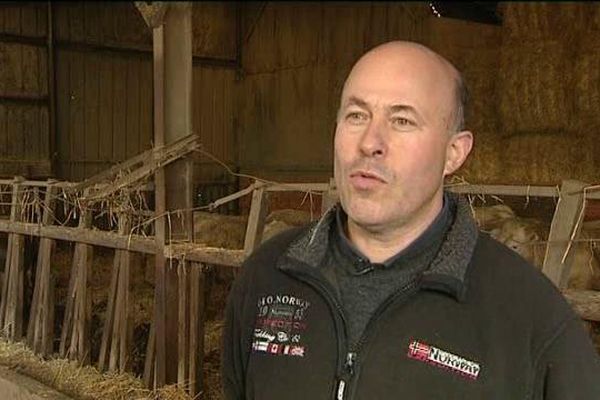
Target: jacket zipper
341, 334
351, 355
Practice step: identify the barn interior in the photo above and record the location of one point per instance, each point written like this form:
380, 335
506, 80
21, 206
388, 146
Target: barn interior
257, 85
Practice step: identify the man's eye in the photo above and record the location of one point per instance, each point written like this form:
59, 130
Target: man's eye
402, 122
356, 117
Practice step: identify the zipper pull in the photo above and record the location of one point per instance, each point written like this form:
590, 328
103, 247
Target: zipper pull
350, 358
341, 389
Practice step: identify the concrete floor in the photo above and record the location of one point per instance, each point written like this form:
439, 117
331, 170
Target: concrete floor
14, 386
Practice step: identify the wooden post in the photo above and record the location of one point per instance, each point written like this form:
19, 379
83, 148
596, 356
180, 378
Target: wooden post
183, 328
178, 175
172, 41
564, 221
74, 342
115, 345
160, 287
11, 306
40, 333
256, 220
197, 318
150, 361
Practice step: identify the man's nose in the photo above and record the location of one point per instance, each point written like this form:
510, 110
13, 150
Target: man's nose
372, 142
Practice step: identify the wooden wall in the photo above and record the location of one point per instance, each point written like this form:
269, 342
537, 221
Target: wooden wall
24, 124
295, 60
105, 97
103, 81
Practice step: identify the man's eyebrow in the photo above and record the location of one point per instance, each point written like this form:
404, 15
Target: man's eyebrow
355, 101
402, 107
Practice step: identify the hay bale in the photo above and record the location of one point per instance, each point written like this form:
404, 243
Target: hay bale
542, 20
586, 85
484, 164
291, 217
273, 228
594, 13
480, 74
227, 231
533, 93
217, 230
543, 159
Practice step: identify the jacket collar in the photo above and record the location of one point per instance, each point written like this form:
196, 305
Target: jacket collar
447, 272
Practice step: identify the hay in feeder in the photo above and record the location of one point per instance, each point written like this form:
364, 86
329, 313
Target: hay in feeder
217, 230
81, 382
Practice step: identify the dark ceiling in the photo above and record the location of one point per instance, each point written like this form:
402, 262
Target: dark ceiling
476, 11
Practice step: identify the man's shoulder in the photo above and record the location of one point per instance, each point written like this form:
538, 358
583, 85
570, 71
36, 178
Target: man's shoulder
272, 249
505, 278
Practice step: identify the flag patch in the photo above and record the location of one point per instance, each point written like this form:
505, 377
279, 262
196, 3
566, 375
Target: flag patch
435, 356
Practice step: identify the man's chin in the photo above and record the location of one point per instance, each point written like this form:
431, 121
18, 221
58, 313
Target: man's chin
367, 217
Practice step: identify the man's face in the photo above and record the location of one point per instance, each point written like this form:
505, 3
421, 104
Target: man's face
392, 137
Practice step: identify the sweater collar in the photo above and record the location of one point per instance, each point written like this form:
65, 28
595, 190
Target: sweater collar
428, 241
448, 270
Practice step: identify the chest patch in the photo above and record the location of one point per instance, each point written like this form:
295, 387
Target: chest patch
280, 323
420, 351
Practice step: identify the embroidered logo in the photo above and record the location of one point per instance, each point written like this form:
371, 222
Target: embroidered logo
443, 359
279, 325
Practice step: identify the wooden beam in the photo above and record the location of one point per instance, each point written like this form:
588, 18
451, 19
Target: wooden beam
153, 14
151, 161
300, 187
160, 289
178, 182
150, 362
197, 318
40, 333
103, 359
137, 243
183, 332
256, 220
11, 305
564, 227
505, 190
74, 342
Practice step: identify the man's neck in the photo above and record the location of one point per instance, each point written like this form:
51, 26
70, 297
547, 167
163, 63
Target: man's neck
379, 244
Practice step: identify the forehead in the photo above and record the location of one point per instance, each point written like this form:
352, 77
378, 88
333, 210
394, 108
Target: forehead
402, 75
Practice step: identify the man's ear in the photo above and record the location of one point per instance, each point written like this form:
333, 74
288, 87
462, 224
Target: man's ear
458, 148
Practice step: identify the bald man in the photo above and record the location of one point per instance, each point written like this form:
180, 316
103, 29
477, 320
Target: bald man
393, 293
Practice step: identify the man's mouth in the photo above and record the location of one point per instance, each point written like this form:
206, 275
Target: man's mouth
364, 180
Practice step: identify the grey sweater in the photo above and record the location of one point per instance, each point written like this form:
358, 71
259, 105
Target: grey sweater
363, 286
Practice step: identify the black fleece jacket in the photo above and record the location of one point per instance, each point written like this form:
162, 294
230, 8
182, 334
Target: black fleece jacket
479, 323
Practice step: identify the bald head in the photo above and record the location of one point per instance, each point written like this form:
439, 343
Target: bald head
419, 62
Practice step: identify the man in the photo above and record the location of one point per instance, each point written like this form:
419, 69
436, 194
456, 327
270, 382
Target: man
394, 294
